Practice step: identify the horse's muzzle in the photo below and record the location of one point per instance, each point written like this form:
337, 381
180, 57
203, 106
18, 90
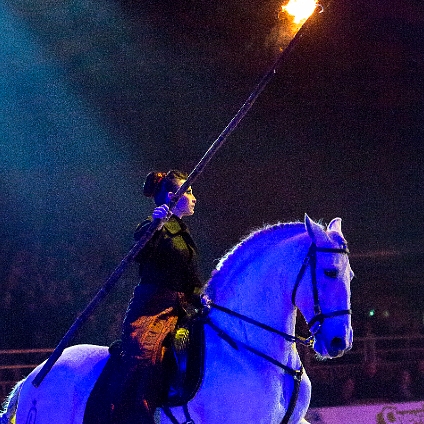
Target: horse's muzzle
338, 347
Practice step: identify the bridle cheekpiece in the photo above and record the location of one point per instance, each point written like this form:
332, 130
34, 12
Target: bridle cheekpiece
311, 261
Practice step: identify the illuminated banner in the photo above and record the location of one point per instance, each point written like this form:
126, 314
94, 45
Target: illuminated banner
384, 413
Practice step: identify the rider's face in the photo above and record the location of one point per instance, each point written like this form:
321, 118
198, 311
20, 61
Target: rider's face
185, 206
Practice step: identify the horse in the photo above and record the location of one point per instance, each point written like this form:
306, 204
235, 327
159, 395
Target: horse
253, 372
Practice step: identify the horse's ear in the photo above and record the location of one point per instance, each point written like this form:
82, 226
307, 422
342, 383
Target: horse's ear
336, 225
313, 229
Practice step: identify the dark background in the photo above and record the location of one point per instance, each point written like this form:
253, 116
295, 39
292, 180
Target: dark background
95, 94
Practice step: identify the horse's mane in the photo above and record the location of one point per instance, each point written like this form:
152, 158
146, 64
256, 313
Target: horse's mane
250, 246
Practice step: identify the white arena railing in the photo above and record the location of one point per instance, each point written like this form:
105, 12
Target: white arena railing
16, 364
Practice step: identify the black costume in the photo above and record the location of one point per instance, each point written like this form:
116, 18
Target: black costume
168, 269
168, 280
131, 385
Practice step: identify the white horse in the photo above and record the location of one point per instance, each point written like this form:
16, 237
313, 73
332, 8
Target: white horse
251, 363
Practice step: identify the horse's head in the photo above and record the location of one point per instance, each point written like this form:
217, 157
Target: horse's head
322, 289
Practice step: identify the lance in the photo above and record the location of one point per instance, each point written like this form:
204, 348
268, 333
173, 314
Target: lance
195, 173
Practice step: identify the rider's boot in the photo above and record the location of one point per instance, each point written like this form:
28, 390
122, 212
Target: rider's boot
136, 393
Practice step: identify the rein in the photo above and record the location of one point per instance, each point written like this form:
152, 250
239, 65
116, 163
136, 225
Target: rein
293, 339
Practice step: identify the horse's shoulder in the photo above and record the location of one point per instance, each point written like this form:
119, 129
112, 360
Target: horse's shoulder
86, 350
84, 358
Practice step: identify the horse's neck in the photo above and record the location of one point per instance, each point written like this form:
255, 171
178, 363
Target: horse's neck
260, 286
262, 293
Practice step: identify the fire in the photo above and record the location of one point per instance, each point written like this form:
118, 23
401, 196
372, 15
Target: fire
300, 9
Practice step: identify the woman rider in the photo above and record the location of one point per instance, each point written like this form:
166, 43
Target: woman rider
169, 279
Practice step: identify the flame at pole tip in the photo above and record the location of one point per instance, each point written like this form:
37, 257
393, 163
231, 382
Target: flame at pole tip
300, 9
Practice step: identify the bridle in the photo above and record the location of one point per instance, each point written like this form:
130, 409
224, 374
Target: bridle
318, 318
311, 261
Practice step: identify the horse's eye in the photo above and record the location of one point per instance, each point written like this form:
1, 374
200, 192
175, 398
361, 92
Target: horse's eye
331, 273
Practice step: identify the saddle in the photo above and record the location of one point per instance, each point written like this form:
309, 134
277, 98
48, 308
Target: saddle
183, 360
186, 356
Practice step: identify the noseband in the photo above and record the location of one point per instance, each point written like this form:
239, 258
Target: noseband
311, 261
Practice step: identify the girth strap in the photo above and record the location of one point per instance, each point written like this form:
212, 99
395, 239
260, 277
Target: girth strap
293, 398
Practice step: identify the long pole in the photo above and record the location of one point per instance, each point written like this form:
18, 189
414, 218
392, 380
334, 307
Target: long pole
195, 173
243, 110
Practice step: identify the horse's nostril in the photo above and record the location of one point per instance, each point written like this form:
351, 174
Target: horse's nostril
338, 344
